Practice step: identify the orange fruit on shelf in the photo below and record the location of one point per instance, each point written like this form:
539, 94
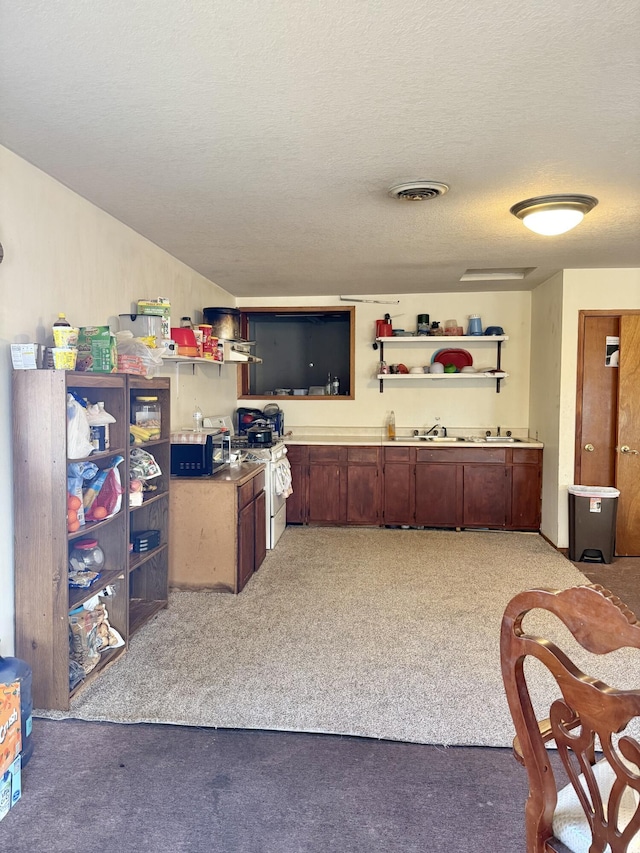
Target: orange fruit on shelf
73, 502
72, 516
72, 526
98, 513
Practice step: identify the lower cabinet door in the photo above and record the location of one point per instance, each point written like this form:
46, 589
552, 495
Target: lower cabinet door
246, 543
260, 513
363, 494
525, 497
326, 503
398, 493
485, 496
438, 495
297, 502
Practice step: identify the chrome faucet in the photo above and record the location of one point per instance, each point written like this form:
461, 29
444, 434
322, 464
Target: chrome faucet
441, 430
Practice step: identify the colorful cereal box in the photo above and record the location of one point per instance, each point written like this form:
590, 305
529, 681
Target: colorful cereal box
10, 733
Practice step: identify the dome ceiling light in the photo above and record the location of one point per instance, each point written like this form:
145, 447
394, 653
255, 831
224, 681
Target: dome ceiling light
553, 214
418, 190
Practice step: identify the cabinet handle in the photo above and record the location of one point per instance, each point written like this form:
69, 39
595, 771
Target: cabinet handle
589, 448
626, 449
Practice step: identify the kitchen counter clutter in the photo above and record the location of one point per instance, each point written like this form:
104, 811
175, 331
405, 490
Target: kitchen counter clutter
362, 479
218, 528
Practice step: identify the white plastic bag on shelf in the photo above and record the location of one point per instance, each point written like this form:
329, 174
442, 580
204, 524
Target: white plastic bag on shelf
78, 431
134, 354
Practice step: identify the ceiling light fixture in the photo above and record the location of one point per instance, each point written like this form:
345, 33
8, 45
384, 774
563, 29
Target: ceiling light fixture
553, 214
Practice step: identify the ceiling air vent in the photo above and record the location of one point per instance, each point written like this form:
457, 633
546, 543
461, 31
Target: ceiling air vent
418, 190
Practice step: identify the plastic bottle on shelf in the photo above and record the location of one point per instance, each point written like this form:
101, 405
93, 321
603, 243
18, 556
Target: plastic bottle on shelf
14, 669
197, 419
391, 426
335, 386
327, 388
62, 320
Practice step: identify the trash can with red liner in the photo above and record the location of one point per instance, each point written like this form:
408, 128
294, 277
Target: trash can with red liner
592, 523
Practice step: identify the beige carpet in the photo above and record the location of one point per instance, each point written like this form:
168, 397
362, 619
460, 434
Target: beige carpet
362, 631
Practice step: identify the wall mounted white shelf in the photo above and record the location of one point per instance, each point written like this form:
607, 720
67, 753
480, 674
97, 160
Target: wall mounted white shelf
441, 342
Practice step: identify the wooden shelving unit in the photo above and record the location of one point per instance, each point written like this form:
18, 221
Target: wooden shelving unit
43, 597
149, 571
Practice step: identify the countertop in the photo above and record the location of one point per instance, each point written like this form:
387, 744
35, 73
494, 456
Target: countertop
238, 474
401, 441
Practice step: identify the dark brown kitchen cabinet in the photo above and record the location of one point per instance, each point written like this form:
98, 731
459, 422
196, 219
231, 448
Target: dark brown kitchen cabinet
334, 484
425, 486
485, 490
526, 489
438, 494
398, 485
252, 546
363, 485
298, 456
327, 484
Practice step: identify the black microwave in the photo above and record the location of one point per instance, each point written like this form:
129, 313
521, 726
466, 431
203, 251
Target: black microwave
201, 454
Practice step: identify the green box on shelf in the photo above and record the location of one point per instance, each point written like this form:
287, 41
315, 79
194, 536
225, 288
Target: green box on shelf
97, 351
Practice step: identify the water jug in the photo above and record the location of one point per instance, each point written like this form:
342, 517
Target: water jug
14, 669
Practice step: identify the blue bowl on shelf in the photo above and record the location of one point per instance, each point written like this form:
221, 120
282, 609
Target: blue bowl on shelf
494, 330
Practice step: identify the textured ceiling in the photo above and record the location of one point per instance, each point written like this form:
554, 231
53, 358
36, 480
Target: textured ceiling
256, 140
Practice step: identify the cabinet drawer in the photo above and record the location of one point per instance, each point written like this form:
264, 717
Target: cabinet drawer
363, 454
398, 454
327, 453
526, 456
245, 494
495, 455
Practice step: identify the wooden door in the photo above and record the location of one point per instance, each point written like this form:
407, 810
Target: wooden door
438, 491
608, 417
596, 404
628, 438
485, 496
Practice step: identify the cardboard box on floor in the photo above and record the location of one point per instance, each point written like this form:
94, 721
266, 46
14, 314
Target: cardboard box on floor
10, 747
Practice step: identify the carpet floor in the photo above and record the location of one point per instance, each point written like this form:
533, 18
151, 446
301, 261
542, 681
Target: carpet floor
390, 634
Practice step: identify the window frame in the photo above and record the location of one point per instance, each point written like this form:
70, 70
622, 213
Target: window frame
243, 373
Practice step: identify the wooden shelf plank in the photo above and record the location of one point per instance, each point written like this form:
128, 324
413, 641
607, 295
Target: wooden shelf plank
140, 611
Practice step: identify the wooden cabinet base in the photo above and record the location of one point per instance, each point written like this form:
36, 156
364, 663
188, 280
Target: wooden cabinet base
218, 530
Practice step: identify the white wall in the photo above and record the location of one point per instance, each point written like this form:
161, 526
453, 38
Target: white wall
555, 309
544, 399
63, 254
417, 404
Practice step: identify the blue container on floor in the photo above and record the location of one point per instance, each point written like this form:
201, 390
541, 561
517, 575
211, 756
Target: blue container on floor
11, 670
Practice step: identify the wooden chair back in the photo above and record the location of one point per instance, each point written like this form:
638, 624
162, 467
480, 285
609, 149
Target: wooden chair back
585, 718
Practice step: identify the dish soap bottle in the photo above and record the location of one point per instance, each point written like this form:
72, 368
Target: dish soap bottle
391, 426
